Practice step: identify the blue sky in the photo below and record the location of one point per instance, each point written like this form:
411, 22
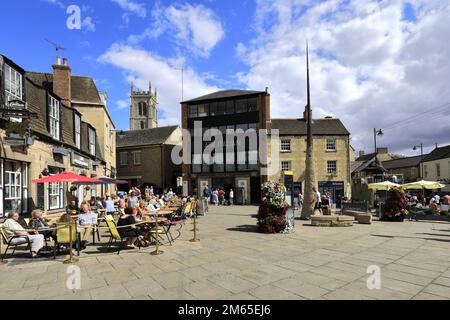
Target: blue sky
368, 57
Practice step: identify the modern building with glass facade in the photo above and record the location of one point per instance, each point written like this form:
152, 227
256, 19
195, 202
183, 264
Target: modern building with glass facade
234, 167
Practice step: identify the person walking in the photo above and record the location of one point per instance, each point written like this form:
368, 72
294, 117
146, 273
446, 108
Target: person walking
231, 197
317, 201
206, 197
215, 197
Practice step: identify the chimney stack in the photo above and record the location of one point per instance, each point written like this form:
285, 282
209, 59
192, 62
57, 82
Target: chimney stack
361, 153
62, 81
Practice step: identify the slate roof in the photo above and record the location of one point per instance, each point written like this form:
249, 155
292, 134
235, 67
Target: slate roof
438, 153
83, 88
402, 163
320, 127
225, 94
366, 157
144, 137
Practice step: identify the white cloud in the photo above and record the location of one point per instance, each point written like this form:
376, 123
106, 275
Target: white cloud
122, 104
133, 7
141, 66
55, 2
193, 27
369, 66
88, 25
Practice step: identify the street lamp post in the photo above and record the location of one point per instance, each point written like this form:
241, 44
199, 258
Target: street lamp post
421, 158
376, 132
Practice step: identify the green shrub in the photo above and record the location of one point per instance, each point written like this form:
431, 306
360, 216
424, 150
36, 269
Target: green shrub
429, 212
445, 213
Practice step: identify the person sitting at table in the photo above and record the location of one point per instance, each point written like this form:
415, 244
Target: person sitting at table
73, 207
109, 206
92, 204
433, 206
152, 206
86, 220
131, 232
38, 223
141, 209
132, 200
13, 228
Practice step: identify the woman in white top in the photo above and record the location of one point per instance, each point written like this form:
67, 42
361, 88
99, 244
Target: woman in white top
13, 228
110, 205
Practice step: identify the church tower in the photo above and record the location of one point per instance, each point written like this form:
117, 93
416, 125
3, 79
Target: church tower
143, 112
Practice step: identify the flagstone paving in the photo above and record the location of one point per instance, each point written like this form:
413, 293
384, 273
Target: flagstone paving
233, 261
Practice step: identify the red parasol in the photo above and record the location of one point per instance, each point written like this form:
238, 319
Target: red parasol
67, 177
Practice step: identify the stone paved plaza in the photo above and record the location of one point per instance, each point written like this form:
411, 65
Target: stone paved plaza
232, 261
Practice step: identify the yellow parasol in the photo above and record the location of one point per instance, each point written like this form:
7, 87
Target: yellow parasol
423, 184
386, 185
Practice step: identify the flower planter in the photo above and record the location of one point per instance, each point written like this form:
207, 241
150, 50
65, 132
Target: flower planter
272, 214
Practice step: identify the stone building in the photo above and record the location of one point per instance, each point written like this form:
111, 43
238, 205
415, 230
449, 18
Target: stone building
238, 170
436, 166
331, 143
404, 170
143, 109
144, 157
42, 133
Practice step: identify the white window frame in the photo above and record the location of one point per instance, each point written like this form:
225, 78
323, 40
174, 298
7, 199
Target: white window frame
285, 145
286, 165
331, 167
331, 145
438, 170
13, 191
135, 153
77, 130
92, 141
14, 84
54, 113
123, 158
56, 189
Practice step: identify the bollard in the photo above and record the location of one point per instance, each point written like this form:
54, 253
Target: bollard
195, 229
71, 259
157, 251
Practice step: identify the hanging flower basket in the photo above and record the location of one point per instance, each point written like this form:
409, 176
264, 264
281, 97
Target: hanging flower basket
272, 212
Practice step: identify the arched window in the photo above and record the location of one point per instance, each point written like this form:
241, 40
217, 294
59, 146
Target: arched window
145, 109
140, 109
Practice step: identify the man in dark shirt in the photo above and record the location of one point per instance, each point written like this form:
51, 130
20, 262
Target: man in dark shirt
73, 208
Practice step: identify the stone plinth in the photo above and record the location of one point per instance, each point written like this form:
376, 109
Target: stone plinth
364, 218
332, 221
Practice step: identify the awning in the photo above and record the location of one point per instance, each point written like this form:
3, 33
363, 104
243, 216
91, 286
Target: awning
67, 177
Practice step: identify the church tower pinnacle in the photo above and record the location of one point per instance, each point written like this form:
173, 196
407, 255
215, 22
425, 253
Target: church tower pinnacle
143, 109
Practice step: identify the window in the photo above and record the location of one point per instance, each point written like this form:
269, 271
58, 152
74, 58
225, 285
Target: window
331, 167
13, 187
230, 107
143, 125
213, 108
285, 145
54, 116
331, 144
123, 158
438, 169
55, 191
252, 105
193, 111
91, 141
13, 83
137, 157
77, 131
425, 168
286, 165
144, 109
203, 110
241, 106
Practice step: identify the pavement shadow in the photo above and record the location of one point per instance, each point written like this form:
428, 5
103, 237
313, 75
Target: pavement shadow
245, 228
406, 237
